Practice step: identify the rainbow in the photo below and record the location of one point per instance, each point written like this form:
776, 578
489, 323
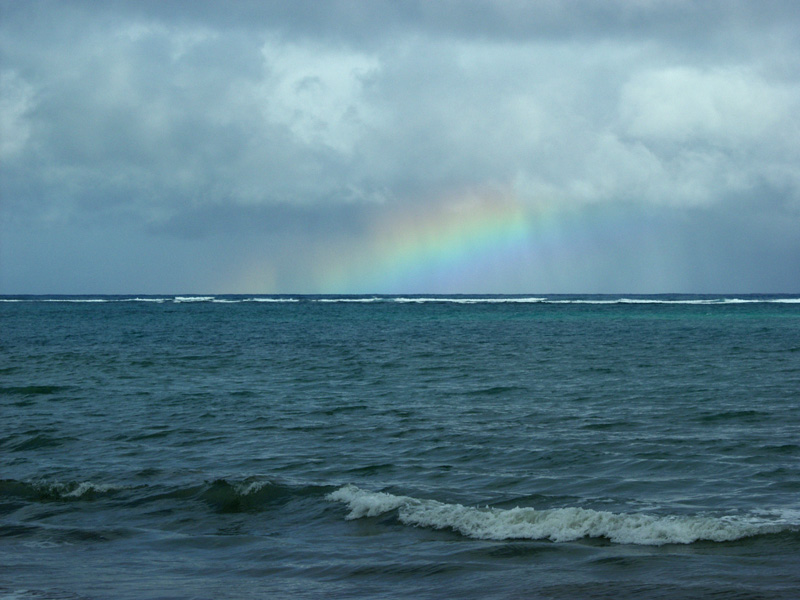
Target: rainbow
441, 245
471, 241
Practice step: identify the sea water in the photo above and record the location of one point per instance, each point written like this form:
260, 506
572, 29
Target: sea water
396, 447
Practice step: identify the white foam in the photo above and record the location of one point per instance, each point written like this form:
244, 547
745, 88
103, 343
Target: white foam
252, 487
558, 524
87, 487
421, 300
76, 300
634, 301
348, 299
695, 301
73, 490
786, 516
368, 504
193, 298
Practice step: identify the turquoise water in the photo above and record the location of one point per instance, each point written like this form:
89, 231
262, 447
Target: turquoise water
388, 447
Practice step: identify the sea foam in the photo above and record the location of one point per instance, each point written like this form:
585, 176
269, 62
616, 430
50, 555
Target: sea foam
193, 298
558, 524
466, 300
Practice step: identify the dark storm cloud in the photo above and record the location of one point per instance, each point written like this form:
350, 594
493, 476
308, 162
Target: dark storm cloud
300, 122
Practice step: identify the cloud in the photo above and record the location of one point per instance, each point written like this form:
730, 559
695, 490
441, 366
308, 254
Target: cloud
681, 105
317, 93
716, 133
16, 102
311, 123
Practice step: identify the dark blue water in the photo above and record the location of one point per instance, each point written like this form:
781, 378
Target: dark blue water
358, 447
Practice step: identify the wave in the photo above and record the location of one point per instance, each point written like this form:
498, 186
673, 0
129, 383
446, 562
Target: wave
76, 300
703, 301
466, 300
328, 300
256, 495
193, 298
36, 441
55, 491
248, 495
33, 390
558, 524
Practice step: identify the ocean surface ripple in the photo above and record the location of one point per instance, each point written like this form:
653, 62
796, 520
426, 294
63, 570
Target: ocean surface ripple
532, 446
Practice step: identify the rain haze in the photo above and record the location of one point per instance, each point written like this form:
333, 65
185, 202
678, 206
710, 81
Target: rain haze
399, 147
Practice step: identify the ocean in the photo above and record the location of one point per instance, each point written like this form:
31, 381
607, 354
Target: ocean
227, 447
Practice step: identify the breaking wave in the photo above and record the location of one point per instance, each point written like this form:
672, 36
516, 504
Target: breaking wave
558, 524
467, 300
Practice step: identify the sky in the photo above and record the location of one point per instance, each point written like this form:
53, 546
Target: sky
403, 146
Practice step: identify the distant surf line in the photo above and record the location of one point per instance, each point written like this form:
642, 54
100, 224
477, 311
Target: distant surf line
416, 299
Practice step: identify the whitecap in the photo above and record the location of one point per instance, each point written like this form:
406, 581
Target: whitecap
557, 524
251, 487
467, 300
193, 298
87, 487
349, 300
75, 490
76, 300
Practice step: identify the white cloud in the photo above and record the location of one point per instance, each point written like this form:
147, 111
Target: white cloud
17, 99
723, 106
318, 92
715, 132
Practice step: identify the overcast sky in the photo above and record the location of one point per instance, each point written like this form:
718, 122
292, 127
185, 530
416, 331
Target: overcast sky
400, 146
